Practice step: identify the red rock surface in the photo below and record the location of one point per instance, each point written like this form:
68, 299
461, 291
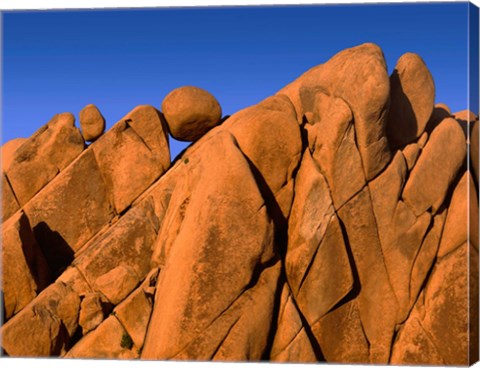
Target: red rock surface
336, 221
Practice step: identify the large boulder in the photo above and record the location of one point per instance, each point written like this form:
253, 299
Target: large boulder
269, 137
190, 112
92, 123
436, 168
231, 231
412, 98
358, 76
133, 154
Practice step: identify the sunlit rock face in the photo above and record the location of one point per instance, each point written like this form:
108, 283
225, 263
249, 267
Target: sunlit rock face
336, 221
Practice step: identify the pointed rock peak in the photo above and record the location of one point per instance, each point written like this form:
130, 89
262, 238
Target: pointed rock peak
412, 98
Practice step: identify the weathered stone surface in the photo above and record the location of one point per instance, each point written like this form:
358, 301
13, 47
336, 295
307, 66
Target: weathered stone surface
359, 76
134, 148
196, 284
9, 202
376, 301
128, 243
386, 190
150, 125
8, 151
269, 137
412, 98
288, 232
135, 311
291, 342
24, 270
75, 280
462, 209
311, 213
241, 332
436, 168
91, 312
45, 326
66, 214
109, 340
414, 345
411, 153
440, 334
401, 233
425, 257
422, 141
190, 112
341, 335
38, 160
328, 278
117, 283
331, 138
92, 123
439, 113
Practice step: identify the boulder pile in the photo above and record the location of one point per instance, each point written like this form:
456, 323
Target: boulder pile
336, 221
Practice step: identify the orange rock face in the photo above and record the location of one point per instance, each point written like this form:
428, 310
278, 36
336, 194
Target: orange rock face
336, 221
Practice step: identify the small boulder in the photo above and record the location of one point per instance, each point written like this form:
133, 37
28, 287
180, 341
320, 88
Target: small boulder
92, 123
190, 112
412, 97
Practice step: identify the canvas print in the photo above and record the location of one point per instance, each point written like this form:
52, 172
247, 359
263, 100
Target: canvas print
257, 183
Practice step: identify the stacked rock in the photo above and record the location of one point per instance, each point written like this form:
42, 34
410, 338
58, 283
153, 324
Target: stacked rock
335, 221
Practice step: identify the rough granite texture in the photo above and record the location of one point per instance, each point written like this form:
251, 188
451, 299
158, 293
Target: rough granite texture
336, 221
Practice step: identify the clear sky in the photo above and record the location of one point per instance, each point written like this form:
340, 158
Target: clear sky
58, 61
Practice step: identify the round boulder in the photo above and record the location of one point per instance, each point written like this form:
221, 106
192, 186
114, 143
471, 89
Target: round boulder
190, 112
92, 123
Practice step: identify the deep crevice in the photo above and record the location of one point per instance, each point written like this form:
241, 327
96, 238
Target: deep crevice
275, 316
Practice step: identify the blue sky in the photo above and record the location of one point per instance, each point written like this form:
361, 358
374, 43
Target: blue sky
57, 61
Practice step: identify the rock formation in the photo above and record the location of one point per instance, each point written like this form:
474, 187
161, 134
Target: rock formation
335, 221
